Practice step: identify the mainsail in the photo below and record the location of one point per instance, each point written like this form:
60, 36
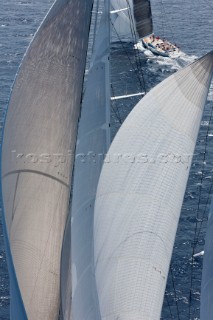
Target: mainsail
140, 193
143, 17
92, 145
37, 157
131, 19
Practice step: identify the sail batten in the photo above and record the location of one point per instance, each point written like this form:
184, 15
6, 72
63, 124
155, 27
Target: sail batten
140, 193
37, 154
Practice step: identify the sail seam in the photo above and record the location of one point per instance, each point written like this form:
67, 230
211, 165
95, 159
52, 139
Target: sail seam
35, 172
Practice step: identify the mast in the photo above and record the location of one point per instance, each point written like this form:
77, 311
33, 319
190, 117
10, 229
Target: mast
140, 194
92, 145
37, 157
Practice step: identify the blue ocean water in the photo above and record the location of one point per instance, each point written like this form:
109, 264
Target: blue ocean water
189, 25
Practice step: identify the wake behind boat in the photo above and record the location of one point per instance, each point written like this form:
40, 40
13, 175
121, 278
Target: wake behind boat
132, 20
61, 264
159, 46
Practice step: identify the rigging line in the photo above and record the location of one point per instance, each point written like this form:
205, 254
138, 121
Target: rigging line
137, 56
168, 303
162, 22
175, 296
167, 20
163, 27
197, 213
131, 19
117, 116
208, 4
95, 25
204, 213
116, 112
134, 36
190, 10
210, 189
137, 76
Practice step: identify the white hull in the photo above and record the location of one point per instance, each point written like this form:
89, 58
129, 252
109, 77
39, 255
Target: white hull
174, 55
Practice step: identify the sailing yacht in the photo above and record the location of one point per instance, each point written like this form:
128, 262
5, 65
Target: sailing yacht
89, 235
132, 21
37, 158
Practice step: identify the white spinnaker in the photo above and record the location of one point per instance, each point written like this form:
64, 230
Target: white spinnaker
206, 305
92, 145
140, 193
39, 140
122, 20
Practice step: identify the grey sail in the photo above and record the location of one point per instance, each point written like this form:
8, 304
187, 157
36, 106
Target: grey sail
37, 156
206, 306
143, 17
131, 19
140, 194
92, 144
122, 21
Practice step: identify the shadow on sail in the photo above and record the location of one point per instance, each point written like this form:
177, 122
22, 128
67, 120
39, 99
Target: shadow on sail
140, 194
37, 157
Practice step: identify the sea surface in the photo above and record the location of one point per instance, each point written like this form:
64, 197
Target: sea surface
187, 23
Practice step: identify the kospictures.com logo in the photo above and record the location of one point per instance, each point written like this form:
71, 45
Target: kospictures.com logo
57, 159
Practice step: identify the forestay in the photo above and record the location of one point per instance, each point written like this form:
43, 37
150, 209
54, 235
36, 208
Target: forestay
140, 193
92, 144
39, 140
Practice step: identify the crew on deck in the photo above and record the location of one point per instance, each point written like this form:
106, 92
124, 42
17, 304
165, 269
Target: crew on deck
160, 44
